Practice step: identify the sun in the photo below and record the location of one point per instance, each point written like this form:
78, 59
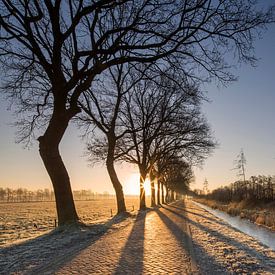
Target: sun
147, 187
131, 186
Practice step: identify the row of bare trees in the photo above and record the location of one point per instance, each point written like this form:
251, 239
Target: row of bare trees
148, 121
257, 188
25, 195
54, 54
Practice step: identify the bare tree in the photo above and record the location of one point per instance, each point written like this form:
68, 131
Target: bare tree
51, 52
169, 120
160, 167
177, 177
102, 111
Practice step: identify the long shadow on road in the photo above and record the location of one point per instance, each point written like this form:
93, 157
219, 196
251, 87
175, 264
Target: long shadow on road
47, 251
196, 214
226, 239
131, 258
183, 238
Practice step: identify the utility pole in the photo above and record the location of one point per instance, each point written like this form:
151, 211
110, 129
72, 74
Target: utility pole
240, 163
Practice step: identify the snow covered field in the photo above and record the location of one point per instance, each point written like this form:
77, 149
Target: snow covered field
20, 221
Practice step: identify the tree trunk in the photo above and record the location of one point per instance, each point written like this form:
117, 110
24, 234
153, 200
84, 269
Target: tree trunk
162, 194
121, 207
158, 192
142, 204
153, 194
172, 195
49, 152
167, 199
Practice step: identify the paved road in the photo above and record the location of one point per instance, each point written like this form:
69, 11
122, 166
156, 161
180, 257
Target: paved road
156, 242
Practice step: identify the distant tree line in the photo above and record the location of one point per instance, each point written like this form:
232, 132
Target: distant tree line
257, 188
170, 187
25, 195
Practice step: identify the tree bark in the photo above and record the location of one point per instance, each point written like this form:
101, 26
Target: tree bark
158, 192
167, 199
153, 194
162, 194
142, 203
49, 152
121, 207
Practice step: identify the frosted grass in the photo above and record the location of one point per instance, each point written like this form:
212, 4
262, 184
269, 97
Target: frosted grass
21, 221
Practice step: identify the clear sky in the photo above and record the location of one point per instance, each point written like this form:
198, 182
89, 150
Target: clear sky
241, 115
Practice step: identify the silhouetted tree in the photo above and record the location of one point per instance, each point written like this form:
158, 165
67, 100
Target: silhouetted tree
2, 194
102, 112
160, 167
177, 178
51, 52
162, 117
153, 179
19, 194
9, 193
188, 138
257, 188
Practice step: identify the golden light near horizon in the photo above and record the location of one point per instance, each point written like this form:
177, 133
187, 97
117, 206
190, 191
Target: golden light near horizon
131, 186
147, 187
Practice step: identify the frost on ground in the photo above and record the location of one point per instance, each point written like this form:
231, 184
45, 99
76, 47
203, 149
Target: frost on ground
21, 221
230, 248
217, 247
28, 256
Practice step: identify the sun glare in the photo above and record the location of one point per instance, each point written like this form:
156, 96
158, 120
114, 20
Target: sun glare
132, 185
147, 187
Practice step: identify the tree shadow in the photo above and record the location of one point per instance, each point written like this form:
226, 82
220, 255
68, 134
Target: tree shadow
242, 246
184, 239
35, 255
196, 214
131, 258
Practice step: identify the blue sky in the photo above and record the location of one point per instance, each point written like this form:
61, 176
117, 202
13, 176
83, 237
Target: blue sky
241, 115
